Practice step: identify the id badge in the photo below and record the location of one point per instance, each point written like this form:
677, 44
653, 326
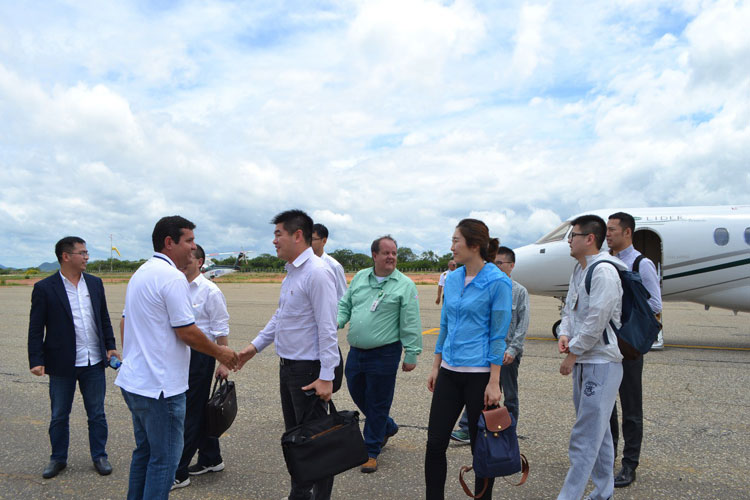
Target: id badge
376, 302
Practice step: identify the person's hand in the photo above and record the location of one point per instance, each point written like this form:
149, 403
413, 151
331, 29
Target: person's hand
492, 394
323, 389
222, 372
407, 367
113, 352
566, 367
437, 302
228, 357
38, 370
431, 380
562, 344
246, 355
508, 358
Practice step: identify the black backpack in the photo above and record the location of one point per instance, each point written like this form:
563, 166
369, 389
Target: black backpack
639, 327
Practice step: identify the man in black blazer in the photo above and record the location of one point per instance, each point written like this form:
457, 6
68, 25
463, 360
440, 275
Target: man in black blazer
71, 340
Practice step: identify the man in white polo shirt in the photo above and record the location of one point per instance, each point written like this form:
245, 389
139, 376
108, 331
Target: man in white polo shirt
158, 328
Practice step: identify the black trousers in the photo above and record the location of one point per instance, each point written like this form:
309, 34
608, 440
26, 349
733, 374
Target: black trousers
293, 375
199, 386
452, 391
631, 401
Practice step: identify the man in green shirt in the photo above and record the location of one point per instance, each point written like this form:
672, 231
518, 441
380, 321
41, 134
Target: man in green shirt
382, 309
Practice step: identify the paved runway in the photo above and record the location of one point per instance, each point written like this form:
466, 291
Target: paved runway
696, 403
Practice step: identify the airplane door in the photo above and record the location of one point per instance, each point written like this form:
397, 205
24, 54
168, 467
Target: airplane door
649, 244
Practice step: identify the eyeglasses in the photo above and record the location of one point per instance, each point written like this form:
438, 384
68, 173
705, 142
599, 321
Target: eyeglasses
82, 254
500, 262
573, 234
316, 239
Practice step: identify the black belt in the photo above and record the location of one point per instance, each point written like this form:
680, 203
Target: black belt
289, 362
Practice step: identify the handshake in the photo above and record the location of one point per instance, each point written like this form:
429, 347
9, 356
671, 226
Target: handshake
233, 360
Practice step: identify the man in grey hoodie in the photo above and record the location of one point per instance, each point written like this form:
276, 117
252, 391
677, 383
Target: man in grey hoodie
596, 364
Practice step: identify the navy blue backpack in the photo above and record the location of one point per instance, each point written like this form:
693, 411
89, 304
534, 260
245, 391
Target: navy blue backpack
639, 326
496, 451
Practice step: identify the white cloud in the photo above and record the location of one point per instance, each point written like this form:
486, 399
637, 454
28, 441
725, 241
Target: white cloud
375, 117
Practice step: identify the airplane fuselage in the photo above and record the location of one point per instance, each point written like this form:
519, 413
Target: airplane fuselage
702, 254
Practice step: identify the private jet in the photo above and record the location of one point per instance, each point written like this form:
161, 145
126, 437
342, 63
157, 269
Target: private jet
211, 270
702, 255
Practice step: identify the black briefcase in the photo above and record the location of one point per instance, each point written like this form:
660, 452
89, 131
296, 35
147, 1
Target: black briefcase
323, 446
221, 408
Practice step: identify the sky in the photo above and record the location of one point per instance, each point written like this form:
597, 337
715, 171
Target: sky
375, 117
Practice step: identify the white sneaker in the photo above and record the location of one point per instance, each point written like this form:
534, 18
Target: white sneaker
659, 344
180, 484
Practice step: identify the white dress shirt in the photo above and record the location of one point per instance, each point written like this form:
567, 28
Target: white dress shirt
304, 325
209, 308
88, 349
586, 316
155, 360
649, 277
338, 273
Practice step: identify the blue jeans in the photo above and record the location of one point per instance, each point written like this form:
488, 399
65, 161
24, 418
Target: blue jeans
93, 386
371, 378
157, 426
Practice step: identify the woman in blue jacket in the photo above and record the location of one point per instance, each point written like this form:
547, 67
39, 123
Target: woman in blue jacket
469, 350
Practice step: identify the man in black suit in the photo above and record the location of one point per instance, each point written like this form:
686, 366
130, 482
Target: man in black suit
71, 339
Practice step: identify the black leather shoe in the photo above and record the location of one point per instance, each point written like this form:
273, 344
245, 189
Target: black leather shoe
624, 477
102, 466
53, 468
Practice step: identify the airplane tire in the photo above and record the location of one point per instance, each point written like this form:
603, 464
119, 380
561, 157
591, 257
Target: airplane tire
555, 327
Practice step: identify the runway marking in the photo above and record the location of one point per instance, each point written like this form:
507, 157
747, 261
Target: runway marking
678, 346
431, 331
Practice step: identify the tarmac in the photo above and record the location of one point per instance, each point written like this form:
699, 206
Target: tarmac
696, 408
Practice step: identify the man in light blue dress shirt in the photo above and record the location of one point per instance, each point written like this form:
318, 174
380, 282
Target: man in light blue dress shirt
304, 331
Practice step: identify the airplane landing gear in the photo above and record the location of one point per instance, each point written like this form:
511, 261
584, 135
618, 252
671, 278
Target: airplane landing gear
556, 327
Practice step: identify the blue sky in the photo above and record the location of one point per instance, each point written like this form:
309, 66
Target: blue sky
396, 117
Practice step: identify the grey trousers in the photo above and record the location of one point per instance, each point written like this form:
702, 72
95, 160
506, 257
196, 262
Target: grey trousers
591, 452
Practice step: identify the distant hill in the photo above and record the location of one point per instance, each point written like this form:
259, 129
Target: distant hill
3, 267
49, 266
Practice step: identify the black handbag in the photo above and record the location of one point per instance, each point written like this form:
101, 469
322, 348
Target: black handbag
324, 446
221, 408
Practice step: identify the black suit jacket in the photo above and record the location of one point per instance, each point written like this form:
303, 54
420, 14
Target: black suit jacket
55, 349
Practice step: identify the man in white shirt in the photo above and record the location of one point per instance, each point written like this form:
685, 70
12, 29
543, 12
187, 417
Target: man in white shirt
441, 281
303, 329
159, 325
319, 240
211, 316
71, 340
620, 228
588, 339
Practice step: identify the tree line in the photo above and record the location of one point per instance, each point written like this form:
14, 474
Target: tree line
408, 260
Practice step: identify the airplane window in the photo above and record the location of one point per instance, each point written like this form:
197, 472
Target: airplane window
556, 234
721, 236
747, 235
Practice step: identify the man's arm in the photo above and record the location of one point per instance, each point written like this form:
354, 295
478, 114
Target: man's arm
344, 311
37, 319
194, 337
518, 326
650, 280
410, 327
218, 320
322, 295
340, 280
439, 295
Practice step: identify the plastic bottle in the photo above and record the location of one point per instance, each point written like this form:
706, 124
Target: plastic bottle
114, 362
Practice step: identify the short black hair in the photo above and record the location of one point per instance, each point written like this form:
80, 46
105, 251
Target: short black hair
293, 221
169, 226
592, 224
67, 245
320, 230
507, 251
199, 253
375, 247
626, 220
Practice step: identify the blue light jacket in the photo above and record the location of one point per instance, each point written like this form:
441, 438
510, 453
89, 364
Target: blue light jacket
475, 318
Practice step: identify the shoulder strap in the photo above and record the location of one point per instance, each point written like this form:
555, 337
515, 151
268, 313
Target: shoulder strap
590, 272
637, 263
